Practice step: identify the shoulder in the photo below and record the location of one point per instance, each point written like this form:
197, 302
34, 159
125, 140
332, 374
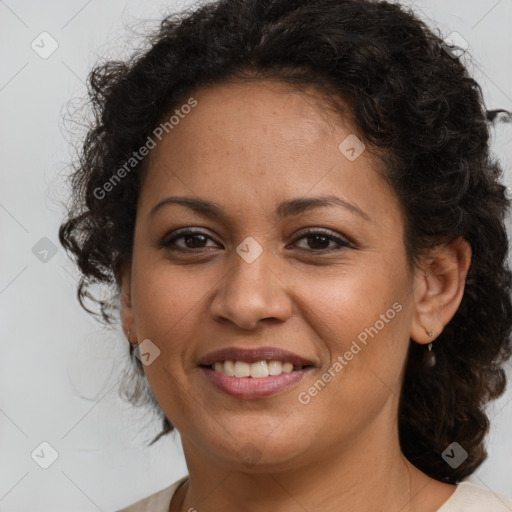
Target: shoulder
472, 497
157, 502
468, 497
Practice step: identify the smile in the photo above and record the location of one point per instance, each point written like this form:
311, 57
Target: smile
249, 386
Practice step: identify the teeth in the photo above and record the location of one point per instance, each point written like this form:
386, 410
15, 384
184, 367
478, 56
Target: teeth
229, 368
275, 367
287, 367
242, 369
256, 370
259, 369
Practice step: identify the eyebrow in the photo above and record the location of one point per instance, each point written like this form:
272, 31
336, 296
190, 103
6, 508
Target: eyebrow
284, 209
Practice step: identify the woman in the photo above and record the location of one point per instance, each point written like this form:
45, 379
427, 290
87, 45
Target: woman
295, 203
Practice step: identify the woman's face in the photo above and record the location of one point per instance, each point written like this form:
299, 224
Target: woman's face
342, 300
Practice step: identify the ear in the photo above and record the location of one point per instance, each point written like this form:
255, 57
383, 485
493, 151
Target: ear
439, 288
123, 276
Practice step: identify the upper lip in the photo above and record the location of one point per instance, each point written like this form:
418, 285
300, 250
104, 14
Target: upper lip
254, 355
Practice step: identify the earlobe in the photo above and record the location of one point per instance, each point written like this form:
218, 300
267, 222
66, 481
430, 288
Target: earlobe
439, 289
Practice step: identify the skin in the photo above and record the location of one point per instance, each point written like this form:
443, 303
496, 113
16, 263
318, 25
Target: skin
248, 147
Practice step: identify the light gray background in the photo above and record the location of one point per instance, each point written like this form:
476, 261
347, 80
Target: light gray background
58, 367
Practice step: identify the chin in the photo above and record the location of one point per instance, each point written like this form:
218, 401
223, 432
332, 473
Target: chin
260, 451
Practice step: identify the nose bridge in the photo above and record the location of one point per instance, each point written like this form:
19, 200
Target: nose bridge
250, 290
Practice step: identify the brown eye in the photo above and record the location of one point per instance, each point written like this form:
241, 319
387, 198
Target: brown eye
318, 241
193, 239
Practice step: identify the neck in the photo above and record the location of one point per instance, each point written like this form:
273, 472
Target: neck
369, 473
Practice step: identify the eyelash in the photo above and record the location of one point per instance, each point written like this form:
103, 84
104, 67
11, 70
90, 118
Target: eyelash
168, 242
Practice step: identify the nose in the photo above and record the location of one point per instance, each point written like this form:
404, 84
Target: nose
250, 292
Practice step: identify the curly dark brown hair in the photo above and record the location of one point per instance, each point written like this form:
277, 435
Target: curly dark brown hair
410, 97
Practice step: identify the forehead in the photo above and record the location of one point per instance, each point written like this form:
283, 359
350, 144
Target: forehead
261, 142
260, 113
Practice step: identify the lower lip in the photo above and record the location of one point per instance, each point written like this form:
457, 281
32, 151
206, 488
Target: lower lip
250, 387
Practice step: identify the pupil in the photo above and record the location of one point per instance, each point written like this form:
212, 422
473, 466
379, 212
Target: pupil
316, 238
191, 237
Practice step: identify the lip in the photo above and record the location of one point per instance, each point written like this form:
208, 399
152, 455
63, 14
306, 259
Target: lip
252, 388
254, 355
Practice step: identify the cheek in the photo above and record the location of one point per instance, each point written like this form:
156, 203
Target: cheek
361, 318
366, 354
167, 305
342, 303
167, 299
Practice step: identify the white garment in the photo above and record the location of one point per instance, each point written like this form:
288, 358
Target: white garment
468, 497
